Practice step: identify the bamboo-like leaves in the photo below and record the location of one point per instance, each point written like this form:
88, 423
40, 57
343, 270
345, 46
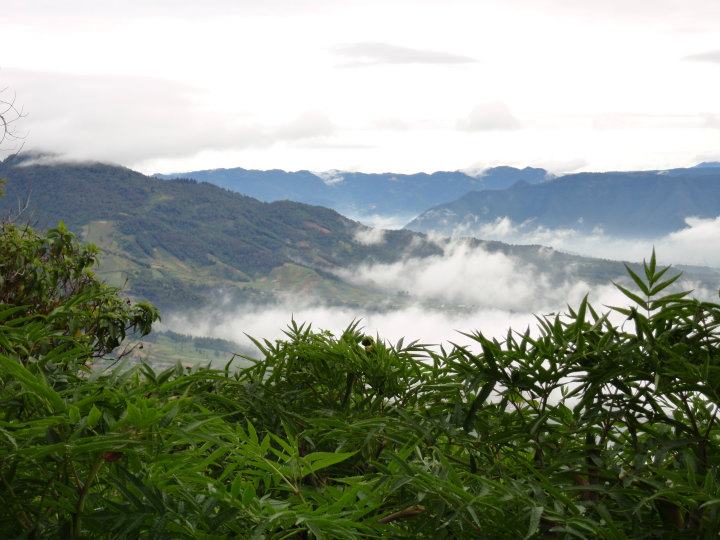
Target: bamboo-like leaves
575, 429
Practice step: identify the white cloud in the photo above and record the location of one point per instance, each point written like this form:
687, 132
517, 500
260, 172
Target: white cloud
680, 15
126, 119
331, 177
708, 56
230, 92
411, 323
694, 244
463, 290
624, 120
370, 54
369, 236
469, 276
489, 116
309, 124
392, 124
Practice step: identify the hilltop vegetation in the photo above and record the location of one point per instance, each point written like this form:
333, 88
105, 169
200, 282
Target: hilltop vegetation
587, 430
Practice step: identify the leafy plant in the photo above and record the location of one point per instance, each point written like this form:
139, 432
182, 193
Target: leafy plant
597, 425
49, 278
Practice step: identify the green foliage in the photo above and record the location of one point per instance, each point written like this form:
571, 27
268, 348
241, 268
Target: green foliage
587, 428
48, 279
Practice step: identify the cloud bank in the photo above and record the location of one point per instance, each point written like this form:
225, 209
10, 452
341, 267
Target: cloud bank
464, 290
696, 244
372, 53
128, 119
489, 116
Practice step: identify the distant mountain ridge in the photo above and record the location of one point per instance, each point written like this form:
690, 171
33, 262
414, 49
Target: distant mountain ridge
183, 243
626, 204
362, 194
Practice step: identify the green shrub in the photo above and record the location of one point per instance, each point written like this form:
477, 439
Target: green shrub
585, 429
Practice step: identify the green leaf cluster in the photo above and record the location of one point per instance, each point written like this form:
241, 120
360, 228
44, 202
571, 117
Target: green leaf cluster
47, 281
588, 428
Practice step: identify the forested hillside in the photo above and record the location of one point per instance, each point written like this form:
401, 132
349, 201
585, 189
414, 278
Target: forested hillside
625, 204
179, 243
177, 239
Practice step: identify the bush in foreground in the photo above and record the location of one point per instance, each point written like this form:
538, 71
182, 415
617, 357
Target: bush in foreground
587, 430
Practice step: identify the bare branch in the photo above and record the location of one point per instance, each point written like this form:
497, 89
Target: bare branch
11, 141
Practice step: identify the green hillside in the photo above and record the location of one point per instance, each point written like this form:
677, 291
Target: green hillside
182, 243
176, 242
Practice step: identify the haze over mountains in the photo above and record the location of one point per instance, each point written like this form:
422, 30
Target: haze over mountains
617, 215
361, 195
626, 204
219, 263
179, 241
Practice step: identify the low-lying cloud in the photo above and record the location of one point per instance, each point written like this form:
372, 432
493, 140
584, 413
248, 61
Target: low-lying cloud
464, 290
467, 276
411, 323
696, 244
436, 299
368, 236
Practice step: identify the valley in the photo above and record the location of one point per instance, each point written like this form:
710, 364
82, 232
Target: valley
203, 253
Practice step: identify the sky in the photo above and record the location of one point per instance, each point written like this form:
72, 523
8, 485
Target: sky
169, 86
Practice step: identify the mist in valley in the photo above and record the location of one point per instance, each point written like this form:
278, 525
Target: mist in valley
695, 244
463, 290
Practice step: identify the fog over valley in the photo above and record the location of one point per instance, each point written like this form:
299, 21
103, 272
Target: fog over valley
463, 290
222, 264
695, 244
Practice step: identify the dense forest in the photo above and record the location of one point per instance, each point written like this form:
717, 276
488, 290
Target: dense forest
590, 428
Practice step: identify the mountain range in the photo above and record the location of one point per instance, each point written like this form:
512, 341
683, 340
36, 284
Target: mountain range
183, 243
176, 242
641, 204
362, 194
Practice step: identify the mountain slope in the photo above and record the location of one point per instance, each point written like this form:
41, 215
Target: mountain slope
175, 240
181, 244
630, 204
361, 194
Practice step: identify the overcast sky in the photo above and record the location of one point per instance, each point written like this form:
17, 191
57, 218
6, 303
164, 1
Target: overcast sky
390, 85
